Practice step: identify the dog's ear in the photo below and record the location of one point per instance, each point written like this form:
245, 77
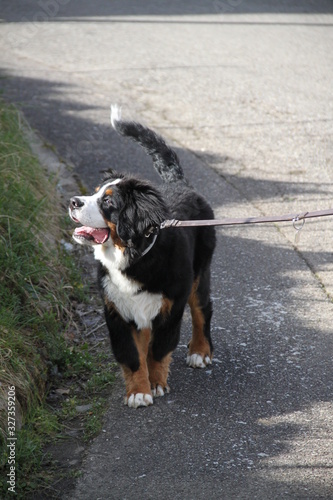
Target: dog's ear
142, 215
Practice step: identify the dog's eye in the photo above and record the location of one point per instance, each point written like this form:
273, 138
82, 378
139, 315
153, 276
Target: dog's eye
108, 202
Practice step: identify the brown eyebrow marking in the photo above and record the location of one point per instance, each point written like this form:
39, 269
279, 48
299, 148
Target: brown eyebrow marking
97, 189
109, 192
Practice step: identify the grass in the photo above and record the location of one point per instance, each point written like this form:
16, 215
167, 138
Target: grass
38, 282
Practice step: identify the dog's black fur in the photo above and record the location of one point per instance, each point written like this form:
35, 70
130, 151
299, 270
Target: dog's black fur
176, 266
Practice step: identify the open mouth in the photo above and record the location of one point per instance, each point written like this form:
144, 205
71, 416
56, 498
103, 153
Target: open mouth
96, 236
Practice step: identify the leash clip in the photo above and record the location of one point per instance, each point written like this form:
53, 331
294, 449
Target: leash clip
298, 224
168, 223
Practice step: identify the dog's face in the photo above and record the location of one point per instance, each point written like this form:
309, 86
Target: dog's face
124, 212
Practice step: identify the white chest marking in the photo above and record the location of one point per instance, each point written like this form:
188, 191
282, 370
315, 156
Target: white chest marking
140, 307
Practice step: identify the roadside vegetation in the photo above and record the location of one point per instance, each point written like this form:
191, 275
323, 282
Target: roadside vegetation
39, 344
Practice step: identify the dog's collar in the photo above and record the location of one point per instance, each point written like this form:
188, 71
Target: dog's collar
152, 231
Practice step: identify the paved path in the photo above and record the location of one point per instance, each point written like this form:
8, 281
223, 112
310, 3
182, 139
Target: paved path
244, 92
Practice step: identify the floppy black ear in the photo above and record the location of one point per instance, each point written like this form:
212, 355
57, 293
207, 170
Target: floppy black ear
142, 215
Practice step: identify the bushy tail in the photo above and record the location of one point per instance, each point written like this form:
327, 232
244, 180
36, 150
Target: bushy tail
165, 160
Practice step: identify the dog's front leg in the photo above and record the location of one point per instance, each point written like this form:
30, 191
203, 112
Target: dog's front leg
138, 390
158, 374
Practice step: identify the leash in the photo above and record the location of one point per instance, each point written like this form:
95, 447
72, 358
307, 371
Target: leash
294, 218
298, 221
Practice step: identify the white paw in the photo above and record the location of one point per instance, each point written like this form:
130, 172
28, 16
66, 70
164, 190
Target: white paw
159, 391
197, 361
139, 399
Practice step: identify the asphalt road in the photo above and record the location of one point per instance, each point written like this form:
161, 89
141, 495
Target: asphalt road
243, 90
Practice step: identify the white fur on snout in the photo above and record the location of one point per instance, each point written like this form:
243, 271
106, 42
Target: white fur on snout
89, 214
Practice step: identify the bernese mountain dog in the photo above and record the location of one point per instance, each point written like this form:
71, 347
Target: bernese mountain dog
146, 274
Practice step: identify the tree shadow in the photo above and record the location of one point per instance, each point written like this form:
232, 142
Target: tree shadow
90, 147
93, 147
255, 189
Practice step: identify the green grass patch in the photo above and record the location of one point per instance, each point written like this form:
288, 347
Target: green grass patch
38, 282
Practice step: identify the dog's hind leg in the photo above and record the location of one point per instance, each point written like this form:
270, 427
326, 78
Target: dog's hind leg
200, 347
165, 337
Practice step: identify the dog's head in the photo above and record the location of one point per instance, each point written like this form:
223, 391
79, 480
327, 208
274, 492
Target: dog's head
124, 212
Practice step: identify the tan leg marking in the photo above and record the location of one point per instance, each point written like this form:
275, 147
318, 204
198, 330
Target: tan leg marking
158, 374
138, 391
199, 349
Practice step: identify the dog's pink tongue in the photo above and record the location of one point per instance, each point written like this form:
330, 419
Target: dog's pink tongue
98, 235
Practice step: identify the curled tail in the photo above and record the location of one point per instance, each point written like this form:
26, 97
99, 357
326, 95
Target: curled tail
165, 160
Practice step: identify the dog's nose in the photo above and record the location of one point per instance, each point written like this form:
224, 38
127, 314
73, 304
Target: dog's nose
76, 202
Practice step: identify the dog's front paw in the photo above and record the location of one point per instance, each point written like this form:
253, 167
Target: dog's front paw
139, 399
160, 391
198, 361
